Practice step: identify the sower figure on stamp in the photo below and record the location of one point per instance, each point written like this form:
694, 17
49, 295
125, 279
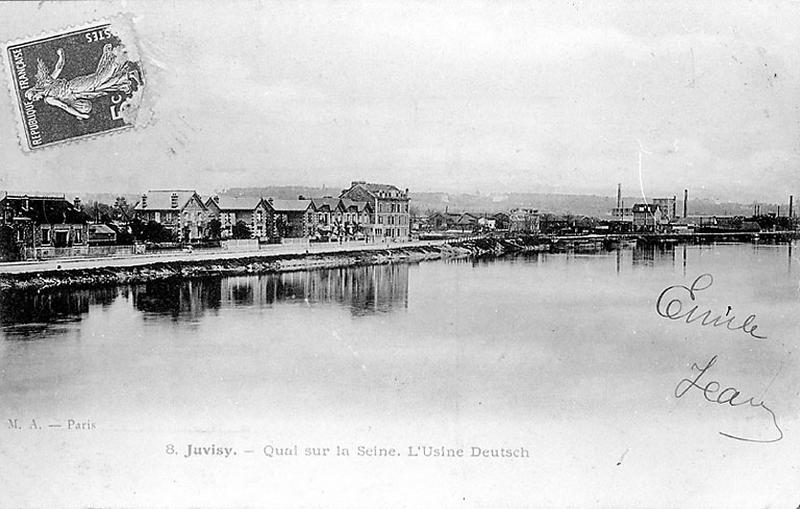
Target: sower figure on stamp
73, 96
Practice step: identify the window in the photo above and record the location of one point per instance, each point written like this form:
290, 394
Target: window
20, 235
158, 217
78, 236
45, 236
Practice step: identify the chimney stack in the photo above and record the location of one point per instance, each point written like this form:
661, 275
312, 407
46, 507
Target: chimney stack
685, 203
144, 200
619, 195
77, 202
174, 200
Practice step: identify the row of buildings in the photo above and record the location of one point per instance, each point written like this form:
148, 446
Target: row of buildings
51, 225
518, 220
364, 210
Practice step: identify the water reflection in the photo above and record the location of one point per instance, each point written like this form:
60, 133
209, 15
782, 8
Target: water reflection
363, 290
651, 254
189, 300
31, 314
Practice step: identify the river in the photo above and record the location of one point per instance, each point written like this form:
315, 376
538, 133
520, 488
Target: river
561, 355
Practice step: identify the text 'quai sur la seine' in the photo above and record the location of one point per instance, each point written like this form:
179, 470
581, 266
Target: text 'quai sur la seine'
288, 451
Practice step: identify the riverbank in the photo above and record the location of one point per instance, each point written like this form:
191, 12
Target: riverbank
285, 258
88, 273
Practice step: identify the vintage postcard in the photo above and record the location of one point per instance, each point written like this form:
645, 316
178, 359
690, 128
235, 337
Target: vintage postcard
75, 83
430, 254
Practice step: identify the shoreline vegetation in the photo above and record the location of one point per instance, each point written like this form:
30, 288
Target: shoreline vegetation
156, 270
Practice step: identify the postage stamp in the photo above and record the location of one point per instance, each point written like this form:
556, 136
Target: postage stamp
76, 83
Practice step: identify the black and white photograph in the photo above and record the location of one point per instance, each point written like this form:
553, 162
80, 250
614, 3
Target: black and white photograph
399, 254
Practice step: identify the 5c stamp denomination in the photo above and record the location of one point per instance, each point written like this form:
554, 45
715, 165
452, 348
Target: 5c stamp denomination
76, 83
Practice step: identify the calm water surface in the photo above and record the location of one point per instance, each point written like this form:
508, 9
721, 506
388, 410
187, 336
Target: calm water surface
562, 354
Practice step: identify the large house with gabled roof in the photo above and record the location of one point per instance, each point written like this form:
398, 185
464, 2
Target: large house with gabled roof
181, 211
328, 212
255, 212
293, 218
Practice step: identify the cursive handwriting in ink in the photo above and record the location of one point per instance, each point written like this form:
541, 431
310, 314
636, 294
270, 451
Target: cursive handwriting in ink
674, 308
726, 396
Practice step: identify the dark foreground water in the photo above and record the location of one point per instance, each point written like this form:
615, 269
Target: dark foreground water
562, 355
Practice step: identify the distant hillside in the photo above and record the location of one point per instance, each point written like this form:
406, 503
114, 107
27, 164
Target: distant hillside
576, 204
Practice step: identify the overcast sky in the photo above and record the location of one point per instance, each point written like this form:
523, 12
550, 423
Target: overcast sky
452, 96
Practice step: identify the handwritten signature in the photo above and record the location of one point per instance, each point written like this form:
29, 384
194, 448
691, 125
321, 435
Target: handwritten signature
725, 397
674, 308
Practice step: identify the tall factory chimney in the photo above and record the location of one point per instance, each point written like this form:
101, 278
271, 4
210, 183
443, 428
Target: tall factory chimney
685, 203
791, 204
619, 196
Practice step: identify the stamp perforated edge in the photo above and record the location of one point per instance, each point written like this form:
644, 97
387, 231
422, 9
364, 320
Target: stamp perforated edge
122, 21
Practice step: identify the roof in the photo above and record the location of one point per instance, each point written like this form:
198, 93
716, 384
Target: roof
101, 229
44, 210
290, 205
237, 202
375, 190
161, 199
360, 205
379, 187
327, 201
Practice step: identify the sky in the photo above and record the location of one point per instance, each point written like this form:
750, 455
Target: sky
494, 97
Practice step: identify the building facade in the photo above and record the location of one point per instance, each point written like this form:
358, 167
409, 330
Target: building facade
523, 220
622, 215
668, 208
647, 216
357, 217
328, 216
181, 211
390, 216
256, 213
41, 226
293, 218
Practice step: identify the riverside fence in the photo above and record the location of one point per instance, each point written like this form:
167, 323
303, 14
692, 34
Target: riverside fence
293, 246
